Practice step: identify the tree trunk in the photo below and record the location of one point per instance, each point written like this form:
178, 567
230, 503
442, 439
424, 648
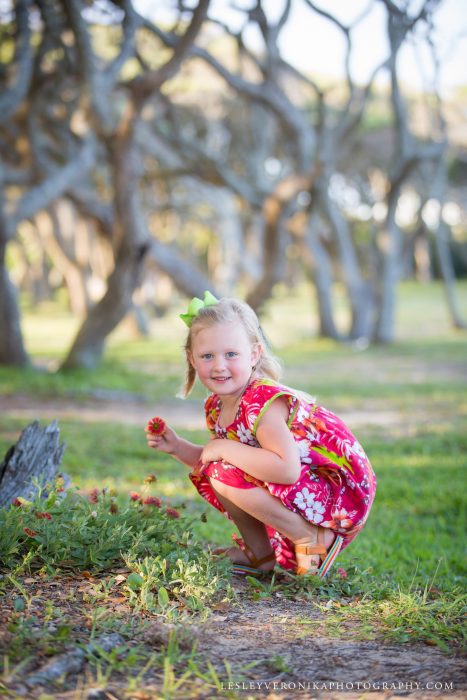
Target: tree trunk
49, 232
389, 278
88, 345
360, 299
319, 266
12, 350
275, 214
132, 243
448, 275
31, 464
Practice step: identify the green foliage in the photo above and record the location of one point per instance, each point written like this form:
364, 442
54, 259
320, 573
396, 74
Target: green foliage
69, 531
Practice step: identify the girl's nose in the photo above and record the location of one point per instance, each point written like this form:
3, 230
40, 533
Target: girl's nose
218, 362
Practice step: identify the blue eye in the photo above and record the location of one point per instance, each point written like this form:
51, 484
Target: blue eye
232, 354
206, 356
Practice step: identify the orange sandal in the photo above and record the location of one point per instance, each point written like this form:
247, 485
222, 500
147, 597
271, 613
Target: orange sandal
253, 570
327, 557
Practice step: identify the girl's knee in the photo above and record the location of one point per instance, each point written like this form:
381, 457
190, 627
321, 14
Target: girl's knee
220, 487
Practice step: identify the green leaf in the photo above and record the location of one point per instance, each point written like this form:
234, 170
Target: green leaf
163, 597
19, 604
134, 581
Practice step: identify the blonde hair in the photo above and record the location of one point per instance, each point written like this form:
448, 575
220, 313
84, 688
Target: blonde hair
225, 311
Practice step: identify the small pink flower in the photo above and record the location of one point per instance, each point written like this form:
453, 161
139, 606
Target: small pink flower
29, 532
342, 572
152, 501
134, 496
94, 496
172, 513
156, 426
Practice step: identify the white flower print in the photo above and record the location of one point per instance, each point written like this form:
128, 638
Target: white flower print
304, 498
315, 513
303, 413
245, 435
365, 484
358, 450
304, 450
312, 434
306, 501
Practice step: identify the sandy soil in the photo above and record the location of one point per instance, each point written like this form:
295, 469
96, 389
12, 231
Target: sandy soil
293, 658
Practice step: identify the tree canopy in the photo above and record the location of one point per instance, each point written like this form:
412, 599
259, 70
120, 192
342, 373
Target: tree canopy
133, 148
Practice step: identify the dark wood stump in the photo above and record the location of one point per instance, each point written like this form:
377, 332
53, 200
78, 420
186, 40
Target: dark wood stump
30, 464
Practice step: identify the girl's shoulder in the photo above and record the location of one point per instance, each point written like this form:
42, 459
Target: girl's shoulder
265, 388
263, 392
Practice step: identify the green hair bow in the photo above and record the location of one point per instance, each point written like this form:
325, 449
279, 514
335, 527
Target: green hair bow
195, 306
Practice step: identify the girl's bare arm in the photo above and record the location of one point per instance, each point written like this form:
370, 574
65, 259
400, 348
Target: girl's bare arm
183, 450
277, 460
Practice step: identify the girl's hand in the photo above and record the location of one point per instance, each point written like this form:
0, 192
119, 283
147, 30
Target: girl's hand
167, 442
212, 451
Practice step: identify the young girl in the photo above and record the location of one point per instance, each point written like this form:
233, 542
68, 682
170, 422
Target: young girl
289, 473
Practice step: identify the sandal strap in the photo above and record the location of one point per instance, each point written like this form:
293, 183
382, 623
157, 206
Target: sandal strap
307, 548
257, 562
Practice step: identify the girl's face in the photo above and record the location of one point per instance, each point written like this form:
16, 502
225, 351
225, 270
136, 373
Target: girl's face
224, 357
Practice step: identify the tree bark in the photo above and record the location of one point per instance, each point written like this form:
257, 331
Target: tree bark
317, 262
31, 464
12, 350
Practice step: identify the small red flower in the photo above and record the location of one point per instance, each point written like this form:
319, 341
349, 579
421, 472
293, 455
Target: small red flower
94, 496
29, 532
17, 503
156, 426
172, 513
134, 496
150, 479
152, 501
43, 516
342, 572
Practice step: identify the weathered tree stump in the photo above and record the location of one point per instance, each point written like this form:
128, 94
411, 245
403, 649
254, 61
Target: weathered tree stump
30, 464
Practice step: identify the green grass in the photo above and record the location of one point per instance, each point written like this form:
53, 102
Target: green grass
405, 571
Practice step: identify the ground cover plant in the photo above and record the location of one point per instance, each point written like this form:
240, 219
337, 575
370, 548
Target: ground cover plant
106, 562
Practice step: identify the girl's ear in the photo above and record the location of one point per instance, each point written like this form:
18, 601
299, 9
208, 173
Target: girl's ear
256, 352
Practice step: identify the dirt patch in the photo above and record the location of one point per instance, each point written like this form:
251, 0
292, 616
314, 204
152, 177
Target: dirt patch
283, 637
178, 413
118, 409
289, 651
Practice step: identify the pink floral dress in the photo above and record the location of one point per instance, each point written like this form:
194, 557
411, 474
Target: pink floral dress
336, 486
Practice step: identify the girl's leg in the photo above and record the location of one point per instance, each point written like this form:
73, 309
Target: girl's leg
265, 508
252, 530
